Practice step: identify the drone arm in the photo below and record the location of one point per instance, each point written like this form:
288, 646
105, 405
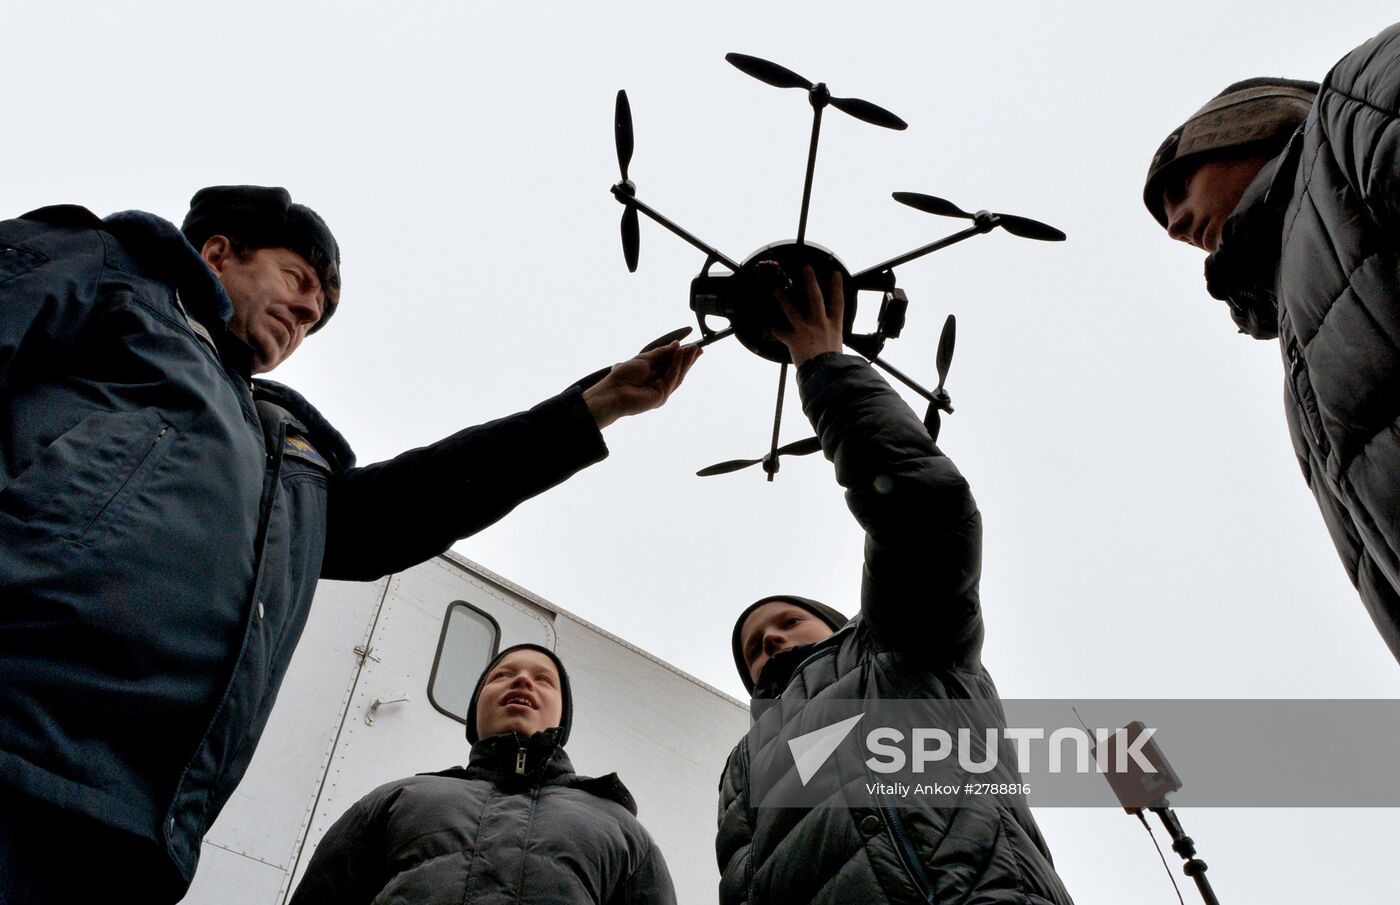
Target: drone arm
904, 379
818, 103
930, 248
626, 198
923, 531
770, 462
713, 337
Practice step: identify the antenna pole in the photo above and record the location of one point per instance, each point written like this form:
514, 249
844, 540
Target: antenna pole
1185, 846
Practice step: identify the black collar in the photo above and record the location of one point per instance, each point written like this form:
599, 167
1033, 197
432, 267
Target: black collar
1243, 272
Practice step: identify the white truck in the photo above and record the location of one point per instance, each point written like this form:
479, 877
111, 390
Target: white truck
378, 690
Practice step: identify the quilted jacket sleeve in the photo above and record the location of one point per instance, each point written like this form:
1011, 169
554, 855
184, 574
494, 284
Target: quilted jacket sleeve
1359, 110
348, 866
649, 883
923, 544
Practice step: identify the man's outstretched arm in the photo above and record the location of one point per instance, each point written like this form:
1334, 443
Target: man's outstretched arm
394, 514
923, 549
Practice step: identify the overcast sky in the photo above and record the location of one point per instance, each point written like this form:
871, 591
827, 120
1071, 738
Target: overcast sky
1148, 533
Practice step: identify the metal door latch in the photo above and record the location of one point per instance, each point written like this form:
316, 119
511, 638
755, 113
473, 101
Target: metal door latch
374, 706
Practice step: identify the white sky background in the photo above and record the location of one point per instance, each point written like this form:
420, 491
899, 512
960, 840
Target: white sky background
1147, 531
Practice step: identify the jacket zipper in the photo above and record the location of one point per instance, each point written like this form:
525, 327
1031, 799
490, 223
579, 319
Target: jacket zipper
1294, 372
907, 856
520, 762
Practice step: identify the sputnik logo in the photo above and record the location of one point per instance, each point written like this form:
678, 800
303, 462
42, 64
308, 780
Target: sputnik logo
812, 750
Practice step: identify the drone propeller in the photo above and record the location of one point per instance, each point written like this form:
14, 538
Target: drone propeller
945, 349
782, 77
798, 448
1024, 227
869, 113
939, 400
622, 133
666, 340
764, 71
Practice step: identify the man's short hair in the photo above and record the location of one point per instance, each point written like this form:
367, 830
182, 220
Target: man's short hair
257, 216
1251, 118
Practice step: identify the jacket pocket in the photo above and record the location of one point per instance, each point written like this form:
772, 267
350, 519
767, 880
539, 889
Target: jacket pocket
18, 259
83, 478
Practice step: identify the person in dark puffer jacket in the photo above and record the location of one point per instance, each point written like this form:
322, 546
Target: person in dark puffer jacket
1294, 191
516, 825
918, 636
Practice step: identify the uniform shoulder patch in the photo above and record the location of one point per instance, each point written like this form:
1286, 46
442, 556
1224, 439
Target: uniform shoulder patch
299, 447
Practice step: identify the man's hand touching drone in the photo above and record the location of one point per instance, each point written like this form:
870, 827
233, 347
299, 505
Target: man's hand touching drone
817, 326
640, 384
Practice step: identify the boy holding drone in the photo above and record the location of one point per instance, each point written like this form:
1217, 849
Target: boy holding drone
918, 635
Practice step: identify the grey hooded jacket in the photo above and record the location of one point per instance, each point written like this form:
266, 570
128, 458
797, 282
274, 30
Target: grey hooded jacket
918, 635
489, 833
1311, 257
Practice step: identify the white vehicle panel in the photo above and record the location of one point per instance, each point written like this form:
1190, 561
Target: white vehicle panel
265, 820
354, 713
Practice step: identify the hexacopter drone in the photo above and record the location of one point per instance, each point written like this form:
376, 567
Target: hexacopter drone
745, 295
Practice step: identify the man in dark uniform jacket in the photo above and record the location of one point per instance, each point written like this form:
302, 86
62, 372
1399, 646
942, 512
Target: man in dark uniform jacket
164, 518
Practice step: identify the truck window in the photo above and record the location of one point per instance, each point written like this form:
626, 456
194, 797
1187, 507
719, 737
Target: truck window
469, 640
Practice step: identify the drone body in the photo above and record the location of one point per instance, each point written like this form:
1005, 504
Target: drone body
744, 295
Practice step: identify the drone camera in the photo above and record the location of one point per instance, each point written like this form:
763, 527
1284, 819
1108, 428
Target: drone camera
893, 306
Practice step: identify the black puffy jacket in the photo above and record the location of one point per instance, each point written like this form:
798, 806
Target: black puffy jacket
488, 833
1312, 257
164, 521
918, 635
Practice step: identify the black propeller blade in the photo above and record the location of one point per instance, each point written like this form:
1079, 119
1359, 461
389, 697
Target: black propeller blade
622, 133
666, 340
868, 112
945, 348
797, 448
631, 238
931, 205
1024, 227
941, 400
1027, 228
764, 71
782, 77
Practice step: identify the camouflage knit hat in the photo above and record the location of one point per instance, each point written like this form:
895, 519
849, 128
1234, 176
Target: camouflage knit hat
1253, 117
259, 216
